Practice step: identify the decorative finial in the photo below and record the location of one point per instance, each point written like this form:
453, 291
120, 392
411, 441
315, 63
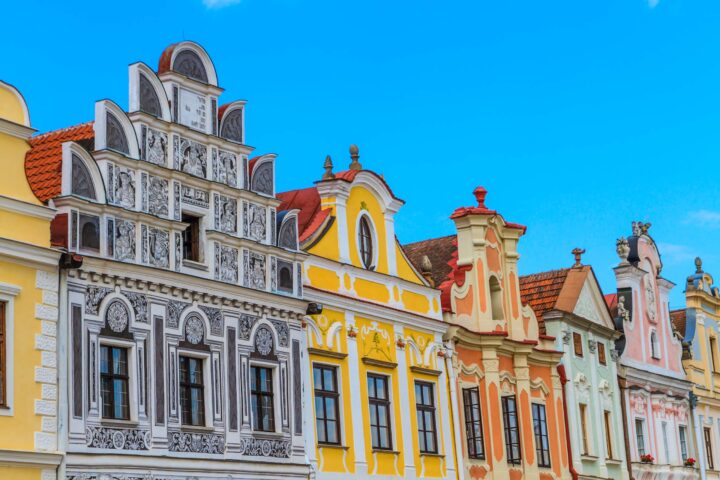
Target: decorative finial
698, 265
355, 155
426, 269
622, 246
636, 229
644, 227
578, 256
480, 194
328, 166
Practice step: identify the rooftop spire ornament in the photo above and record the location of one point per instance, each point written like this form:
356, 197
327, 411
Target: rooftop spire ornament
355, 155
698, 265
578, 256
426, 269
328, 166
623, 250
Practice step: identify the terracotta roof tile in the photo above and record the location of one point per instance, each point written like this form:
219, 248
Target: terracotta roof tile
311, 216
439, 250
678, 319
541, 290
43, 162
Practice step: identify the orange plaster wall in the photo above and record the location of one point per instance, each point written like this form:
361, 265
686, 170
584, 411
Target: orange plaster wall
506, 364
481, 286
497, 427
464, 305
493, 259
527, 427
512, 280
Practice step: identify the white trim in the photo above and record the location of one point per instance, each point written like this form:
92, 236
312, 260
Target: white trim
204, 57
206, 358
9, 300
236, 105
277, 393
28, 254
100, 127
9, 289
14, 205
375, 247
70, 148
29, 459
132, 375
134, 89
15, 129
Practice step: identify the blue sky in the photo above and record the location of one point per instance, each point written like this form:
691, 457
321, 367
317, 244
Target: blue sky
577, 116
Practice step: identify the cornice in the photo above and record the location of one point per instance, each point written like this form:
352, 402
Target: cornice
17, 458
28, 254
15, 129
14, 205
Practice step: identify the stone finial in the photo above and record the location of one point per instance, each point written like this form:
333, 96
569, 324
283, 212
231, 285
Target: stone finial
480, 194
640, 228
644, 227
622, 246
578, 252
355, 156
426, 270
698, 265
328, 166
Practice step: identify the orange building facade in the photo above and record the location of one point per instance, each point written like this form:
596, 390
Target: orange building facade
508, 385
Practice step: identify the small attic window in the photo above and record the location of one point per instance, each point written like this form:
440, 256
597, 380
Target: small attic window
82, 184
365, 243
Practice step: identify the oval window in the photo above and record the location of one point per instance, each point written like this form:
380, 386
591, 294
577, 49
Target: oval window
365, 240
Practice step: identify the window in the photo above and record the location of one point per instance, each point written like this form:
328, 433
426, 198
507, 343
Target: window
473, 423
713, 349
654, 345
496, 299
192, 401
379, 401
114, 383
608, 434
683, 442
512, 432
640, 436
708, 449
577, 344
601, 353
425, 408
542, 443
285, 276
191, 238
327, 409
3, 361
584, 429
89, 233
263, 403
365, 241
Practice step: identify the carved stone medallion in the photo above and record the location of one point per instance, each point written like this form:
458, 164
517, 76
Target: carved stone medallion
117, 316
194, 329
263, 341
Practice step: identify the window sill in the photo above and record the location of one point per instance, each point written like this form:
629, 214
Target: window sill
195, 265
332, 446
196, 428
268, 434
430, 454
613, 461
111, 422
382, 450
588, 458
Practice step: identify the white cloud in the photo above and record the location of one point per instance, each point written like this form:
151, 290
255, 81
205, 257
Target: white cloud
675, 253
653, 3
705, 218
223, 3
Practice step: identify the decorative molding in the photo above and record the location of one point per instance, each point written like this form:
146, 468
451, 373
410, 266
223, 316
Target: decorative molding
14, 205
117, 438
15, 129
425, 371
378, 363
9, 289
326, 353
29, 459
211, 443
256, 447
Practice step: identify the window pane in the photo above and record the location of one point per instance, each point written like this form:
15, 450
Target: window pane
317, 378
382, 414
322, 437
330, 408
329, 380
332, 432
371, 387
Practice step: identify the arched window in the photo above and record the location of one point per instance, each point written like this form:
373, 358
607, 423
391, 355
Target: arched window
654, 345
365, 241
496, 299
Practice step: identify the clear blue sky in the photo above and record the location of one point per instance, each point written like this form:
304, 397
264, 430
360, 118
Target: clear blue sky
577, 116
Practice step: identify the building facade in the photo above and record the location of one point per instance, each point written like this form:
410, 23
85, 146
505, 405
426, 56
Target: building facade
377, 370
28, 309
656, 393
510, 397
572, 309
699, 324
181, 306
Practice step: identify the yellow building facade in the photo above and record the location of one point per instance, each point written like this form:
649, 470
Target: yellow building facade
699, 325
380, 379
28, 309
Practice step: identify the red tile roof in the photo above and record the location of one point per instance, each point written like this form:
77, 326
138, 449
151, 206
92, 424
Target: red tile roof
164, 63
439, 250
541, 290
43, 162
678, 319
311, 216
349, 176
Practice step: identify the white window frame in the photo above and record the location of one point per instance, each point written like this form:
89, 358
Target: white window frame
276, 394
8, 293
132, 377
207, 384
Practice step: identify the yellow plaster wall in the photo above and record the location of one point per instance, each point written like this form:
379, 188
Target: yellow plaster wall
415, 302
11, 107
372, 290
34, 230
404, 270
20, 473
328, 245
13, 182
323, 278
24, 423
362, 201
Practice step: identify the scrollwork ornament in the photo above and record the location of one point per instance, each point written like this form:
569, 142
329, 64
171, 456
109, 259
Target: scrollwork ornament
194, 330
263, 341
117, 316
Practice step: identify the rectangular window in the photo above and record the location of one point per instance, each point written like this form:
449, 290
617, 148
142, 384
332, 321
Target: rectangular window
640, 436
708, 449
577, 344
608, 434
192, 391
263, 403
379, 402
425, 409
713, 349
3, 361
601, 353
683, 442
542, 444
473, 423
191, 238
114, 383
584, 429
512, 432
327, 408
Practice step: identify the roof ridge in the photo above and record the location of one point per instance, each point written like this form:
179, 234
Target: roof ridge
430, 239
62, 130
556, 270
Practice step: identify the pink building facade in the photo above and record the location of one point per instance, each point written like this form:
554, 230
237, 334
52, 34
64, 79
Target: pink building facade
655, 392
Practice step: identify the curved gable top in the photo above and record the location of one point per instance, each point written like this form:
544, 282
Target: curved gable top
80, 174
147, 93
12, 105
231, 118
189, 59
113, 130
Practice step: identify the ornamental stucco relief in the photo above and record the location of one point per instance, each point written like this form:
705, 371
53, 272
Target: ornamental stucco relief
225, 214
254, 267
124, 240
255, 221
226, 263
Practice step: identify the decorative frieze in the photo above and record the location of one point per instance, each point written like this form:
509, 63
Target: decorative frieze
154, 146
215, 318
255, 221
93, 297
225, 214
117, 438
157, 196
139, 304
174, 312
246, 324
159, 247
254, 270
124, 240
195, 196
225, 167
226, 263
211, 443
256, 447
190, 156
